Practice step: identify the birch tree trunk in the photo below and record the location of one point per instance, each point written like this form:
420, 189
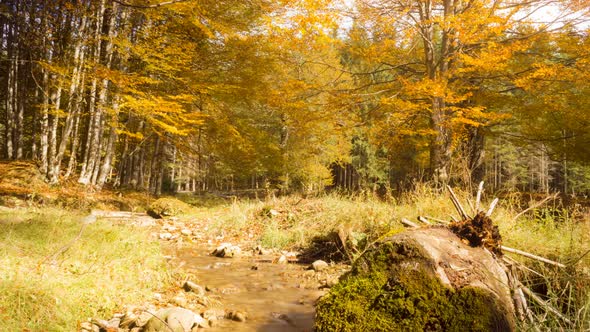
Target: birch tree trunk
72, 106
92, 140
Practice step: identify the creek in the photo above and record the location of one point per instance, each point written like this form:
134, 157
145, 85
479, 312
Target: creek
276, 297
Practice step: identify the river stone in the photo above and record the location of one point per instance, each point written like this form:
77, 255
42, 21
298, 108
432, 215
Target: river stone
190, 286
227, 250
282, 260
165, 236
179, 300
419, 280
177, 320
236, 315
319, 265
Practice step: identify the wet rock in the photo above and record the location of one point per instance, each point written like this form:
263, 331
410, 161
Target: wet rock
201, 322
236, 315
227, 250
173, 319
261, 251
319, 265
213, 313
190, 286
282, 260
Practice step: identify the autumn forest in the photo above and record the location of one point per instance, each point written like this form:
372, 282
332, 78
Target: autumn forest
197, 95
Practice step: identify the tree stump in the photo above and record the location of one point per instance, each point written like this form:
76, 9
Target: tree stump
420, 280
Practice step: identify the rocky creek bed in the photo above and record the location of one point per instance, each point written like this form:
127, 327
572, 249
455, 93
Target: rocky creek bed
239, 287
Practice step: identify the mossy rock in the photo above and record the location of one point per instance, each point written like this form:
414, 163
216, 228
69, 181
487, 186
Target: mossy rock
424, 280
167, 207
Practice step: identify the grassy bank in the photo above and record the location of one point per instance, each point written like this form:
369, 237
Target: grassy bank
295, 223
108, 266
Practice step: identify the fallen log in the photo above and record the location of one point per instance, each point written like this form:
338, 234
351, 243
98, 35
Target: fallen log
423, 279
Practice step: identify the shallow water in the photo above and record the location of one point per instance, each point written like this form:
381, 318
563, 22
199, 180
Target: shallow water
276, 297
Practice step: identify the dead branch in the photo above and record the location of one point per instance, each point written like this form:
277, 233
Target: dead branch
457, 205
581, 257
536, 205
478, 197
529, 255
492, 207
435, 219
408, 223
544, 304
65, 247
424, 220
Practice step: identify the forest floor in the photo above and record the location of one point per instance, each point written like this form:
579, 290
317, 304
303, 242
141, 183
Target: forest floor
61, 268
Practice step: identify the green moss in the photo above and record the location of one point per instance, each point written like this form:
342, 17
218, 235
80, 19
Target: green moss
167, 207
393, 288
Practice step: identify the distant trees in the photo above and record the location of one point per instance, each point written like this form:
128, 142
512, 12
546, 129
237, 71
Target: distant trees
439, 77
199, 95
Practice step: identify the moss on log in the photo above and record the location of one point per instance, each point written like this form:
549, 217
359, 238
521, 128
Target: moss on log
422, 280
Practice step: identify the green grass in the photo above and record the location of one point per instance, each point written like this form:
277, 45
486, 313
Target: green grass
563, 237
107, 267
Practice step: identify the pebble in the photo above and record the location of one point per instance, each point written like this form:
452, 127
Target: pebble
190, 286
282, 260
179, 301
238, 316
319, 265
227, 250
165, 236
186, 232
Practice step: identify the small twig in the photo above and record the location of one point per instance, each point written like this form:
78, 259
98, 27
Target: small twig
424, 220
536, 205
408, 223
478, 197
492, 207
581, 257
453, 218
519, 265
527, 310
160, 319
436, 219
529, 255
457, 205
65, 247
544, 304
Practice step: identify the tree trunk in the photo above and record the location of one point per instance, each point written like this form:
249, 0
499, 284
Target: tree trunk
95, 120
72, 106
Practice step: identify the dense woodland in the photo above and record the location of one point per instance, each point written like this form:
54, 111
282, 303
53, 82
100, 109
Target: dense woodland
191, 95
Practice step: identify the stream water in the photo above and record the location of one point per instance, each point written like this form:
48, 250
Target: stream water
276, 297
